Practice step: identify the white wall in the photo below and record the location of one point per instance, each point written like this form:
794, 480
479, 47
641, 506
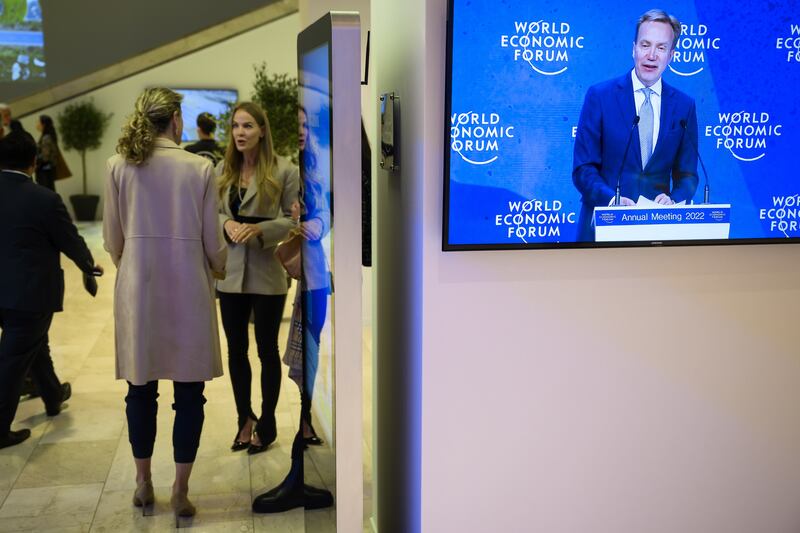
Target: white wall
604, 391
228, 64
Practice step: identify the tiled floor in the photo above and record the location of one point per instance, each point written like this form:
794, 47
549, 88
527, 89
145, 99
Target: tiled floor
76, 473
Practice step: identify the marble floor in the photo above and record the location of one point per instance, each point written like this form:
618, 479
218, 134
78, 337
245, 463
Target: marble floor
76, 473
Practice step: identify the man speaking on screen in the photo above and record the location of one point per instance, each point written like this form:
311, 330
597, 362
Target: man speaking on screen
633, 130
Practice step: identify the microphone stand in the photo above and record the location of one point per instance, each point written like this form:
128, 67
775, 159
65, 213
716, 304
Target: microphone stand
702, 165
625, 156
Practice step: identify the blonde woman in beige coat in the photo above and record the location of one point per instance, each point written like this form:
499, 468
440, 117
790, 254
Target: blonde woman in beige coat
161, 228
257, 191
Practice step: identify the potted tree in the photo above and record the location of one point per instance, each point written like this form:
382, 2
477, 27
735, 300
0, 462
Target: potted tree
81, 126
277, 94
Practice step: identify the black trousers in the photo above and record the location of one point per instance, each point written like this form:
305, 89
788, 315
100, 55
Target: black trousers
24, 347
142, 409
267, 311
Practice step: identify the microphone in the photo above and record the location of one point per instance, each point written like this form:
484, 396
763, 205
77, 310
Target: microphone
624, 156
697, 151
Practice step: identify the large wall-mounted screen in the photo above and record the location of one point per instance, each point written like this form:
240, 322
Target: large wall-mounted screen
45, 43
576, 125
218, 102
21, 41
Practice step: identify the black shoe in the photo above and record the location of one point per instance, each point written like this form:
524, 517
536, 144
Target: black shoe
269, 438
282, 498
243, 444
238, 444
287, 496
313, 440
253, 449
66, 393
14, 437
316, 498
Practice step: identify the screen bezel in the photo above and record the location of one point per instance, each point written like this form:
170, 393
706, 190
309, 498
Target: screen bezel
447, 246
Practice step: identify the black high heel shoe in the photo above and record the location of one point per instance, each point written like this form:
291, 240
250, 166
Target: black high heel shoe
265, 442
313, 439
253, 449
241, 444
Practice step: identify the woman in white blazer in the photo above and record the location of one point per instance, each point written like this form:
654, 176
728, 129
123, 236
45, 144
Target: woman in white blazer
161, 228
257, 191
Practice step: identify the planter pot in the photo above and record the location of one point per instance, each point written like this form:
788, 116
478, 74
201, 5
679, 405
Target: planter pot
84, 206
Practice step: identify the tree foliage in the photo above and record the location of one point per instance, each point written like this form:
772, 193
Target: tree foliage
81, 126
277, 94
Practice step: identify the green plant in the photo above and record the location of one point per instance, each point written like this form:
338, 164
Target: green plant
277, 94
12, 16
224, 126
81, 126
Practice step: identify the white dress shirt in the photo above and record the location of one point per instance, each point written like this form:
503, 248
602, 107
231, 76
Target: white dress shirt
18, 172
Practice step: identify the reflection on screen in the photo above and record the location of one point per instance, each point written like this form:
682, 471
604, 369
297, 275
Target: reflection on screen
317, 283
537, 134
21, 40
196, 101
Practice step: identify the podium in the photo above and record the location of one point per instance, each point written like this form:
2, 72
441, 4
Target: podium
665, 223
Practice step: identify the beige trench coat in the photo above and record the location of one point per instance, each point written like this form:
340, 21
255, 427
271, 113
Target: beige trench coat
252, 267
161, 228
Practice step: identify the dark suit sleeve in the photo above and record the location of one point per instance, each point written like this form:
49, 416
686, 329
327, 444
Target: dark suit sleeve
684, 168
64, 235
587, 157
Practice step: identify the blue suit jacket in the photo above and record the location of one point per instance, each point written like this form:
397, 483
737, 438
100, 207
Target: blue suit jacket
605, 123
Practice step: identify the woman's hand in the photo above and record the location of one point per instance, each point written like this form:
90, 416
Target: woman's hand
295, 214
231, 227
311, 230
245, 232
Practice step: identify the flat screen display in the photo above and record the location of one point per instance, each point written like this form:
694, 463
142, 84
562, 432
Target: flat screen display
317, 208
315, 118
196, 101
567, 125
21, 41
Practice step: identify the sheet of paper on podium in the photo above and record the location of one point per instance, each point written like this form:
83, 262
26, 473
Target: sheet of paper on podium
650, 221
646, 202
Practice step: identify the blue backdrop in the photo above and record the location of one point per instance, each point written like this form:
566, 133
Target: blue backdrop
520, 71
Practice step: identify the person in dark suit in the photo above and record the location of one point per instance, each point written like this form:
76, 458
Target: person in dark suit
206, 146
34, 230
661, 162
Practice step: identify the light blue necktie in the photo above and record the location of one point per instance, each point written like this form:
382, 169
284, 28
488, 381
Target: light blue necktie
646, 126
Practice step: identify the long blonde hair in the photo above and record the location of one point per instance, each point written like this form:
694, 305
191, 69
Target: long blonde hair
264, 175
151, 116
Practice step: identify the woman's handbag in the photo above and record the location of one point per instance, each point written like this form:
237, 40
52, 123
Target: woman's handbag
62, 170
288, 254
